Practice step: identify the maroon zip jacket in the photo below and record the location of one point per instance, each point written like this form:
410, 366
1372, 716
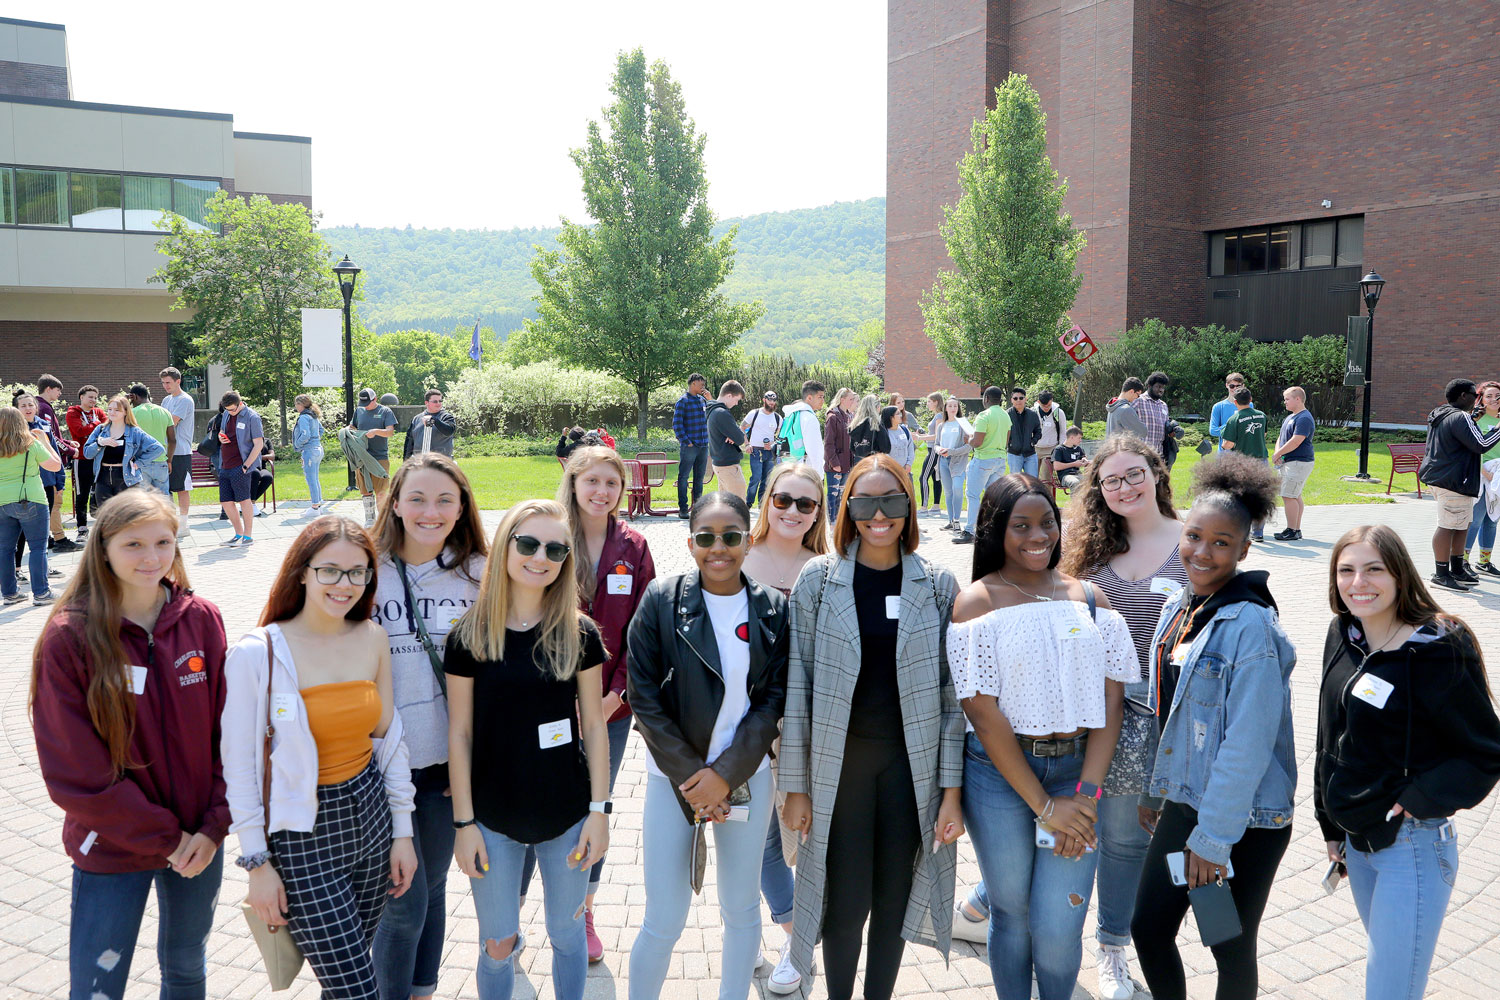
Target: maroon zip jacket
131, 823
625, 567
836, 445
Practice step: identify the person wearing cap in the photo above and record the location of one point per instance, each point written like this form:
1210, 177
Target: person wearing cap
762, 427
378, 422
157, 422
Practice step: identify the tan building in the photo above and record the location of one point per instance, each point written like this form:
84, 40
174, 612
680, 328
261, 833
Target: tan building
81, 186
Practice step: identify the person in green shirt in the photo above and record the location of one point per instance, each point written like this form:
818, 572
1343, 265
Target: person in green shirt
1482, 528
991, 429
1245, 434
24, 453
157, 422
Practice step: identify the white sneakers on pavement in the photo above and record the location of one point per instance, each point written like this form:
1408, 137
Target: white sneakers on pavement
970, 929
784, 979
1114, 974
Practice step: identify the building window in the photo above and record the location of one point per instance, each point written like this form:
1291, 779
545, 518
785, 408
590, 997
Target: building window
1317, 244
190, 200
1288, 246
96, 201
7, 198
41, 197
1286, 249
1351, 241
146, 200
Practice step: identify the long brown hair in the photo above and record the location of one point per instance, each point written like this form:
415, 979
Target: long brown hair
288, 594
465, 539
578, 463
1096, 534
815, 540
88, 619
15, 436
844, 530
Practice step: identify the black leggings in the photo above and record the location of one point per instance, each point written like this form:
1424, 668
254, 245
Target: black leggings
873, 841
21, 539
83, 490
1160, 907
110, 482
930, 471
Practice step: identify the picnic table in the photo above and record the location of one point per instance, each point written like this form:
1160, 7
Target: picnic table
647, 471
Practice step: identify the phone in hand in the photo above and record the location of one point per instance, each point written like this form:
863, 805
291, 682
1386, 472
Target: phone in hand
1335, 875
1177, 866
1046, 838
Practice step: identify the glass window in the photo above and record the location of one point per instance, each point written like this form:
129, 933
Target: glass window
1216, 254
7, 200
1286, 249
41, 197
1252, 250
1351, 241
1231, 253
96, 201
190, 198
1317, 244
146, 200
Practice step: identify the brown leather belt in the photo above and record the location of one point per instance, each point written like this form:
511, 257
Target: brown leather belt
1068, 747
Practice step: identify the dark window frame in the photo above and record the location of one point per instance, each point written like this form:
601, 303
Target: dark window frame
68, 187
1239, 232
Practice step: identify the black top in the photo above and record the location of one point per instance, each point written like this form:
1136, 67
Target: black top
875, 708
114, 454
1025, 432
1062, 453
527, 791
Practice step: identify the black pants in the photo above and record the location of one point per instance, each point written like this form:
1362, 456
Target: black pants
873, 841
21, 539
1160, 907
930, 471
83, 490
111, 481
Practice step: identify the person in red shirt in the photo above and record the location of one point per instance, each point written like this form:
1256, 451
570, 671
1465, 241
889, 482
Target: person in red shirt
127, 686
82, 418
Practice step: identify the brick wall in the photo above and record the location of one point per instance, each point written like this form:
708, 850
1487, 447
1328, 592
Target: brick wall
109, 355
18, 79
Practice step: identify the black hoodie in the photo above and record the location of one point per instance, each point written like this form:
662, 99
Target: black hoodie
1246, 587
721, 425
1412, 725
1454, 446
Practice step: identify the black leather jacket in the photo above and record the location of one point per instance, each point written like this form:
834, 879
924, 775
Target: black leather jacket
675, 685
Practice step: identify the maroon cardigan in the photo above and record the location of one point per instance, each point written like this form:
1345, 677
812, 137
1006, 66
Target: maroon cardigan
624, 565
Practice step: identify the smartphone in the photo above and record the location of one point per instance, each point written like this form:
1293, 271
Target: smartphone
1176, 865
1334, 876
1045, 837
738, 814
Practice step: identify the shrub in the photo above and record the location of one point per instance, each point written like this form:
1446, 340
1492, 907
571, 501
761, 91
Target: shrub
535, 399
784, 376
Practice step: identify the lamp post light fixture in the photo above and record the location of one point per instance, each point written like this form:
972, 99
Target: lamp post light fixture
1370, 287
346, 271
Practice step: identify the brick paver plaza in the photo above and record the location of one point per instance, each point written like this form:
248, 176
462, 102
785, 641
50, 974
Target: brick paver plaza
1311, 944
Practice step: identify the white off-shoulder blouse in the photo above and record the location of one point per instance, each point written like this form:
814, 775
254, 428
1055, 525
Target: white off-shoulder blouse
1045, 663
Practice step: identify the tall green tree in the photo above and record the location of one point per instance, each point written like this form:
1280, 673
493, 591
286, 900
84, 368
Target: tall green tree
249, 287
995, 313
638, 294
422, 360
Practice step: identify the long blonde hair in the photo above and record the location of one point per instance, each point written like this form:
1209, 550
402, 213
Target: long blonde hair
15, 436
816, 538
567, 495
868, 412
124, 402
308, 405
482, 627
91, 604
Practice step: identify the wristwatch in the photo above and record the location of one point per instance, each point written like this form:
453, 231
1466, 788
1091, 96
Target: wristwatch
606, 807
1087, 788
460, 824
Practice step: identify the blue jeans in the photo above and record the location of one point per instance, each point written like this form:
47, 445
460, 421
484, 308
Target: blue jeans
1481, 528
1038, 900
981, 472
106, 919
835, 494
1023, 463
311, 459
619, 733
692, 460
28, 518
156, 476
762, 461
497, 904
1401, 894
1122, 851
953, 489
409, 940
775, 877
738, 851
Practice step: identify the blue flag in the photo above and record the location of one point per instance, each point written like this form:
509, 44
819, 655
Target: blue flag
474, 351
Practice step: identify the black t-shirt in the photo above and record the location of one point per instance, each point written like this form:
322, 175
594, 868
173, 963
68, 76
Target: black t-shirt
875, 708
1062, 453
525, 790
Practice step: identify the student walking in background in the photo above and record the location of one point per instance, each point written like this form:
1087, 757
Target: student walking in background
725, 438
127, 685
1407, 736
118, 448
1482, 526
864, 430
82, 418
51, 481
838, 452
180, 407
431, 549
1224, 408
1122, 417
307, 441
690, 428
928, 475
432, 429
988, 442
1025, 432
872, 757
49, 391
1244, 433
950, 443
1225, 775
900, 444
1294, 457
1054, 424
762, 429
1152, 409
377, 422
242, 438
1452, 466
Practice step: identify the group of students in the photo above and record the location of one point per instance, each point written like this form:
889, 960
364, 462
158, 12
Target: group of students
417, 694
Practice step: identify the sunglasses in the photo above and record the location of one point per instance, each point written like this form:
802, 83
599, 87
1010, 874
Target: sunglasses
329, 576
892, 505
805, 505
705, 539
1112, 484
527, 546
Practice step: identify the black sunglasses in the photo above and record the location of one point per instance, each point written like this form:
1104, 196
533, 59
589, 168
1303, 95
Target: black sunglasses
805, 505
527, 546
705, 539
892, 505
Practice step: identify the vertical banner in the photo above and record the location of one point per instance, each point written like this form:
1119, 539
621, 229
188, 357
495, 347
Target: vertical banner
322, 347
1358, 339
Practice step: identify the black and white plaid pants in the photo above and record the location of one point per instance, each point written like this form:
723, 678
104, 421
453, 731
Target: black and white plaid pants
336, 881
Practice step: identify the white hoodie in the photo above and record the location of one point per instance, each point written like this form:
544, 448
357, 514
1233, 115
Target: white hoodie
812, 432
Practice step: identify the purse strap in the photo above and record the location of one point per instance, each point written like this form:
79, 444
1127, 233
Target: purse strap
434, 658
265, 781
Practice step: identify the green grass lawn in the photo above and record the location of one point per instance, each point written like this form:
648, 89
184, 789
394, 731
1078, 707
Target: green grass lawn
500, 482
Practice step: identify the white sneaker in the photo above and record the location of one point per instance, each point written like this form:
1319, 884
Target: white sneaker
784, 978
1114, 974
966, 928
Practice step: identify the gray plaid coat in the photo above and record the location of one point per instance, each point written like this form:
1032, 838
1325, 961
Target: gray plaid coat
823, 669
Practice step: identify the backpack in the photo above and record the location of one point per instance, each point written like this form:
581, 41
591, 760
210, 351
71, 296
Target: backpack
790, 437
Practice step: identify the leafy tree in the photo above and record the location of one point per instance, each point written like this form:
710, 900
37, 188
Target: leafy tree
422, 360
867, 350
994, 315
639, 293
249, 286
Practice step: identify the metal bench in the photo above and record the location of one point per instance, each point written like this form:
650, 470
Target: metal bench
1405, 458
203, 476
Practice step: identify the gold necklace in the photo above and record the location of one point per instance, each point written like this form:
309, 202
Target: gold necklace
1034, 597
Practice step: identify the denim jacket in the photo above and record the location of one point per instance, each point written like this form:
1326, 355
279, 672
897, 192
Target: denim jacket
1226, 750
308, 433
139, 447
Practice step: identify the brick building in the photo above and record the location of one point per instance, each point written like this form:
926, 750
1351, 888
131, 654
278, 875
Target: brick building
81, 186
1230, 162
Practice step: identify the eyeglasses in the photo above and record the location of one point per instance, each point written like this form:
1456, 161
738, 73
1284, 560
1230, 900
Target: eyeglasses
732, 538
330, 576
805, 505
1112, 484
526, 547
892, 505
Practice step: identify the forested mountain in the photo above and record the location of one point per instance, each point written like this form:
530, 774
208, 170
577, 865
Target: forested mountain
819, 271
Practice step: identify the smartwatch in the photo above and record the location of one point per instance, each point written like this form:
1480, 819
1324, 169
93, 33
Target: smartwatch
460, 824
606, 807
1091, 790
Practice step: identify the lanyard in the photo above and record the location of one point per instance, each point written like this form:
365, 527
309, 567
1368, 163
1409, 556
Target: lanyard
1180, 625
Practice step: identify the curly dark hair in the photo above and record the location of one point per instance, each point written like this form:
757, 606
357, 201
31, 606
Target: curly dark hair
1242, 487
1095, 533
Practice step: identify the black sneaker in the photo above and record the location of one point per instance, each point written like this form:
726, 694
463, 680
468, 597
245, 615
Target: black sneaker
1446, 580
947, 527
964, 538
1465, 574
1257, 536
1487, 567
1287, 535
64, 544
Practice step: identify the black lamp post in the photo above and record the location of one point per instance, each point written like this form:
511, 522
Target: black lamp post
1369, 286
347, 271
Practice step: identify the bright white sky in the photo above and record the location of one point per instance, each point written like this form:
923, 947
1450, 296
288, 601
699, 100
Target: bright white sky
462, 114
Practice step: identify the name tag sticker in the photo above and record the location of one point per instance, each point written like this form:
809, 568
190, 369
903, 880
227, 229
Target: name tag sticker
1164, 585
284, 707
1372, 690
138, 680
1074, 632
554, 734
619, 583
893, 606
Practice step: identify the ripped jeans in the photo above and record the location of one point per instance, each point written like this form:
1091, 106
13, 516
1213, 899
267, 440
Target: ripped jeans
106, 919
497, 904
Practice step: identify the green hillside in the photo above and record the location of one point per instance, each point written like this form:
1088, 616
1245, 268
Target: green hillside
819, 271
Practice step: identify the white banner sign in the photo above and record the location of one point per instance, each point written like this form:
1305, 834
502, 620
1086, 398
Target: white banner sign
322, 347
